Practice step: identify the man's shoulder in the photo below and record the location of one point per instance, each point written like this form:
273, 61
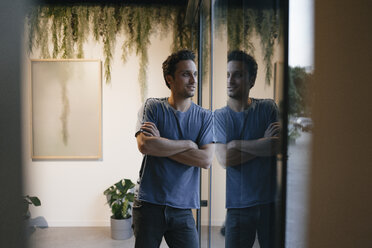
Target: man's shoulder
153, 102
221, 110
221, 113
201, 110
265, 103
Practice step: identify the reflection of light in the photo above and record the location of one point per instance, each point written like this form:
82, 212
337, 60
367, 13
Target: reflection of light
301, 33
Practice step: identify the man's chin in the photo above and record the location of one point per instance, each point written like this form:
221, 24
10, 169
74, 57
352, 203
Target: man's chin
231, 94
234, 96
189, 94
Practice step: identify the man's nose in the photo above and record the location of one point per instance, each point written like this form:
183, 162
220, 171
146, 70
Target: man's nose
194, 79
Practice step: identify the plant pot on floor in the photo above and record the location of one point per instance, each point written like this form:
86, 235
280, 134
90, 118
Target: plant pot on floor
121, 229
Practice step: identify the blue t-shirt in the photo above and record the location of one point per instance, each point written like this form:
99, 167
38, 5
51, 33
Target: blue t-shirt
253, 182
164, 181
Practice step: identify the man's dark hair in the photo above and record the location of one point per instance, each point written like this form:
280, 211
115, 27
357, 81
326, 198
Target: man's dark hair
249, 61
169, 65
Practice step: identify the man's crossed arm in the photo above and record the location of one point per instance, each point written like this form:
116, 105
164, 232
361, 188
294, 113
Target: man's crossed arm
183, 151
239, 151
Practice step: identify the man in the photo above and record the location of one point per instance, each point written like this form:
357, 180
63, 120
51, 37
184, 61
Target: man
247, 140
176, 140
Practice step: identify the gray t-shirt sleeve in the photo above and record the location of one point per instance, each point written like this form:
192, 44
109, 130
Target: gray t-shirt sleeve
206, 132
139, 120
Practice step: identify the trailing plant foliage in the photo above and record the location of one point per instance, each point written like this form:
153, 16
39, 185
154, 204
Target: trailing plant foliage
242, 24
268, 29
61, 31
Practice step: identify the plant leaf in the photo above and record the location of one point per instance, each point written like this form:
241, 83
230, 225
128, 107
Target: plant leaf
36, 201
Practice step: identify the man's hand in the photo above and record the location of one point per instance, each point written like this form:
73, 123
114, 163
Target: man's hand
184, 151
269, 145
150, 142
150, 129
273, 130
199, 157
231, 156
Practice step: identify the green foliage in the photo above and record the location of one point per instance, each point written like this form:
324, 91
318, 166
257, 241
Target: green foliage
267, 28
299, 91
27, 201
71, 25
242, 24
120, 197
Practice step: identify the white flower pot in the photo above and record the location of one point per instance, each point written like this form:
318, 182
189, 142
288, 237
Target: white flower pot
121, 229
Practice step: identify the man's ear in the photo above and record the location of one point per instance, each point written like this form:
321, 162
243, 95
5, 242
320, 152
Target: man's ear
169, 79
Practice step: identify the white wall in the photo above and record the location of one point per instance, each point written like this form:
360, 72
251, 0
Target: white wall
72, 191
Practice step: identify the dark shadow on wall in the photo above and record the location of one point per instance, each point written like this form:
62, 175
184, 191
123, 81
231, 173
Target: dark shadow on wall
11, 223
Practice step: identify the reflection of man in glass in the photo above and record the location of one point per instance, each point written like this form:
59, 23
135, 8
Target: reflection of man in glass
175, 136
247, 140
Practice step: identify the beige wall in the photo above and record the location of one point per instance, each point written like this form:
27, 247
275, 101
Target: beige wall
72, 191
340, 183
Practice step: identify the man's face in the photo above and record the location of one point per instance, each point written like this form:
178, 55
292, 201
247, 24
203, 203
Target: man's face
238, 84
184, 81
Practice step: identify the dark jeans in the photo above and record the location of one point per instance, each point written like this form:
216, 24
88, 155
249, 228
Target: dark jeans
243, 223
151, 222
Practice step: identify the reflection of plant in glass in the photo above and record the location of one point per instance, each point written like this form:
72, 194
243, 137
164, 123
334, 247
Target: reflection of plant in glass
119, 198
243, 24
71, 25
299, 84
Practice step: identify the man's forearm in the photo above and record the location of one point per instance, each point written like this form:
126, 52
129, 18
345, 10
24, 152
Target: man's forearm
162, 147
231, 157
260, 147
200, 157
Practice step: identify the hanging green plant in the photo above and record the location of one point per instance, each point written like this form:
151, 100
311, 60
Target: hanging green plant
71, 25
267, 28
137, 25
107, 29
242, 24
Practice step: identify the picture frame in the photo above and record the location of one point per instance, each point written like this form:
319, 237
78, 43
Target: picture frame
66, 109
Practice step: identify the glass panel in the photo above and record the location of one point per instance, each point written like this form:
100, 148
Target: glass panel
247, 171
300, 124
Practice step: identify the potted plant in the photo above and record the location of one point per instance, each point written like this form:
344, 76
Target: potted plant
26, 214
120, 197
27, 201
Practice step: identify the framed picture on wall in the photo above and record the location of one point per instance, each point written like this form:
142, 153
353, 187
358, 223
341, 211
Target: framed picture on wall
66, 104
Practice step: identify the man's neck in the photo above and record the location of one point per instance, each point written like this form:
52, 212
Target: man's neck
179, 104
239, 105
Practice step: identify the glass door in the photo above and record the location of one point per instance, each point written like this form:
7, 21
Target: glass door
259, 29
